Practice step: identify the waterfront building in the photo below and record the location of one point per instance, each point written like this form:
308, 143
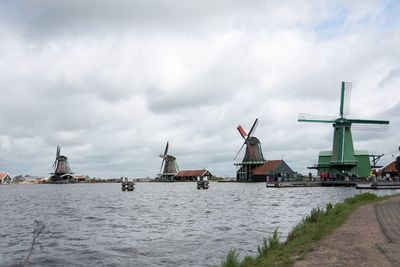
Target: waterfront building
273, 170
5, 178
192, 175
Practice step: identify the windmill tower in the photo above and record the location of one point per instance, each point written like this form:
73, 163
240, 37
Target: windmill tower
62, 172
170, 166
343, 159
253, 156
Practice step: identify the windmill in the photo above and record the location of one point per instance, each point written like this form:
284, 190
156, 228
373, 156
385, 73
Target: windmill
170, 166
62, 171
343, 159
253, 156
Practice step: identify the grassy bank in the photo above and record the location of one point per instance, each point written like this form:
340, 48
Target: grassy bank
303, 237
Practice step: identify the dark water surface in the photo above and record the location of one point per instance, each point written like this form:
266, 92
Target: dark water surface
159, 224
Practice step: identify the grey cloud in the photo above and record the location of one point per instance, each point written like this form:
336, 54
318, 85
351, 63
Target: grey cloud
111, 82
47, 19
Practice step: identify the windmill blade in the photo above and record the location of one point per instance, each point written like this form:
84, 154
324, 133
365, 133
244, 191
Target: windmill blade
368, 121
166, 149
242, 131
54, 164
370, 127
57, 154
162, 163
239, 151
347, 98
253, 128
58, 151
304, 117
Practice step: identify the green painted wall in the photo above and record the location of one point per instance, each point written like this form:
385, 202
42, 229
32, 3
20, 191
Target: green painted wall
361, 169
342, 145
363, 165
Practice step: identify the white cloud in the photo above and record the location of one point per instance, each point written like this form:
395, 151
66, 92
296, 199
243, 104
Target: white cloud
111, 83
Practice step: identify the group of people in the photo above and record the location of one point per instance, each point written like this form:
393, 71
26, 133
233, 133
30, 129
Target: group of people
382, 176
338, 176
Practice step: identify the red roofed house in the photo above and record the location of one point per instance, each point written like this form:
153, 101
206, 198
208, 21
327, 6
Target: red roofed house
191, 175
273, 170
5, 178
391, 168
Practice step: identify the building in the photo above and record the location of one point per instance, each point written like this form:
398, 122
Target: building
5, 178
273, 170
391, 168
192, 175
82, 178
359, 165
343, 161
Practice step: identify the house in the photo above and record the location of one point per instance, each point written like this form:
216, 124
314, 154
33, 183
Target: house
273, 170
391, 168
5, 178
191, 175
82, 178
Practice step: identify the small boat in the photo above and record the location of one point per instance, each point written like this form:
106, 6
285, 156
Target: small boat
127, 185
202, 184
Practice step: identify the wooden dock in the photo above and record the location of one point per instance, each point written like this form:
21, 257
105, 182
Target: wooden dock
339, 183
318, 183
378, 186
293, 184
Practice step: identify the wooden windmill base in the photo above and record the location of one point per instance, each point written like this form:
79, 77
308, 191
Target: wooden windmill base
244, 171
167, 177
359, 167
61, 179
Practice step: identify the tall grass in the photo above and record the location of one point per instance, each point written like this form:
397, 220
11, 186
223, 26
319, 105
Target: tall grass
231, 259
303, 237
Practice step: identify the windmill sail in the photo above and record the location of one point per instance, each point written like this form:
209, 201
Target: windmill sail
253, 151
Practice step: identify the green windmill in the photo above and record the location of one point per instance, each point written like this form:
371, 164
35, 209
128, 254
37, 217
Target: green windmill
343, 159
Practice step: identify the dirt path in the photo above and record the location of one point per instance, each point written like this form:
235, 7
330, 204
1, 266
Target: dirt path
360, 241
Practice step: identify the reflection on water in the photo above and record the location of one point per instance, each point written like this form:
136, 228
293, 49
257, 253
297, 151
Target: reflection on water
159, 224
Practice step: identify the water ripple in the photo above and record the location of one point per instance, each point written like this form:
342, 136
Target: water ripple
159, 224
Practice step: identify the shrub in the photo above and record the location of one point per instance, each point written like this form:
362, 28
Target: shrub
329, 206
231, 259
248, 261
270, 243
315, 214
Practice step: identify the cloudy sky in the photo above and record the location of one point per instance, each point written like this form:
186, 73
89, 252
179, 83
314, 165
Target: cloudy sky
112, 81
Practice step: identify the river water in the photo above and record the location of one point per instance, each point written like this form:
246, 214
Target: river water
158, 224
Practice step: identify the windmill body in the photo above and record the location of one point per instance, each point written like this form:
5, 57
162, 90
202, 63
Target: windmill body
253, 151
253, 156
62, 166
169, 167
62, 172
343, 160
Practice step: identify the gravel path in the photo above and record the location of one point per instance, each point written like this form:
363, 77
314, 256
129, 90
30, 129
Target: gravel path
370, 237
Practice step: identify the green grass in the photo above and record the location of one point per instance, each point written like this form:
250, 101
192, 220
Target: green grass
304, 237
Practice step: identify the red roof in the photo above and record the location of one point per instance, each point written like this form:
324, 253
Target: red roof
391, 167
268, 166
3, 175
188, 173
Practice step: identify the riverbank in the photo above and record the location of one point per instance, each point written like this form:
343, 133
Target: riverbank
340, 235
